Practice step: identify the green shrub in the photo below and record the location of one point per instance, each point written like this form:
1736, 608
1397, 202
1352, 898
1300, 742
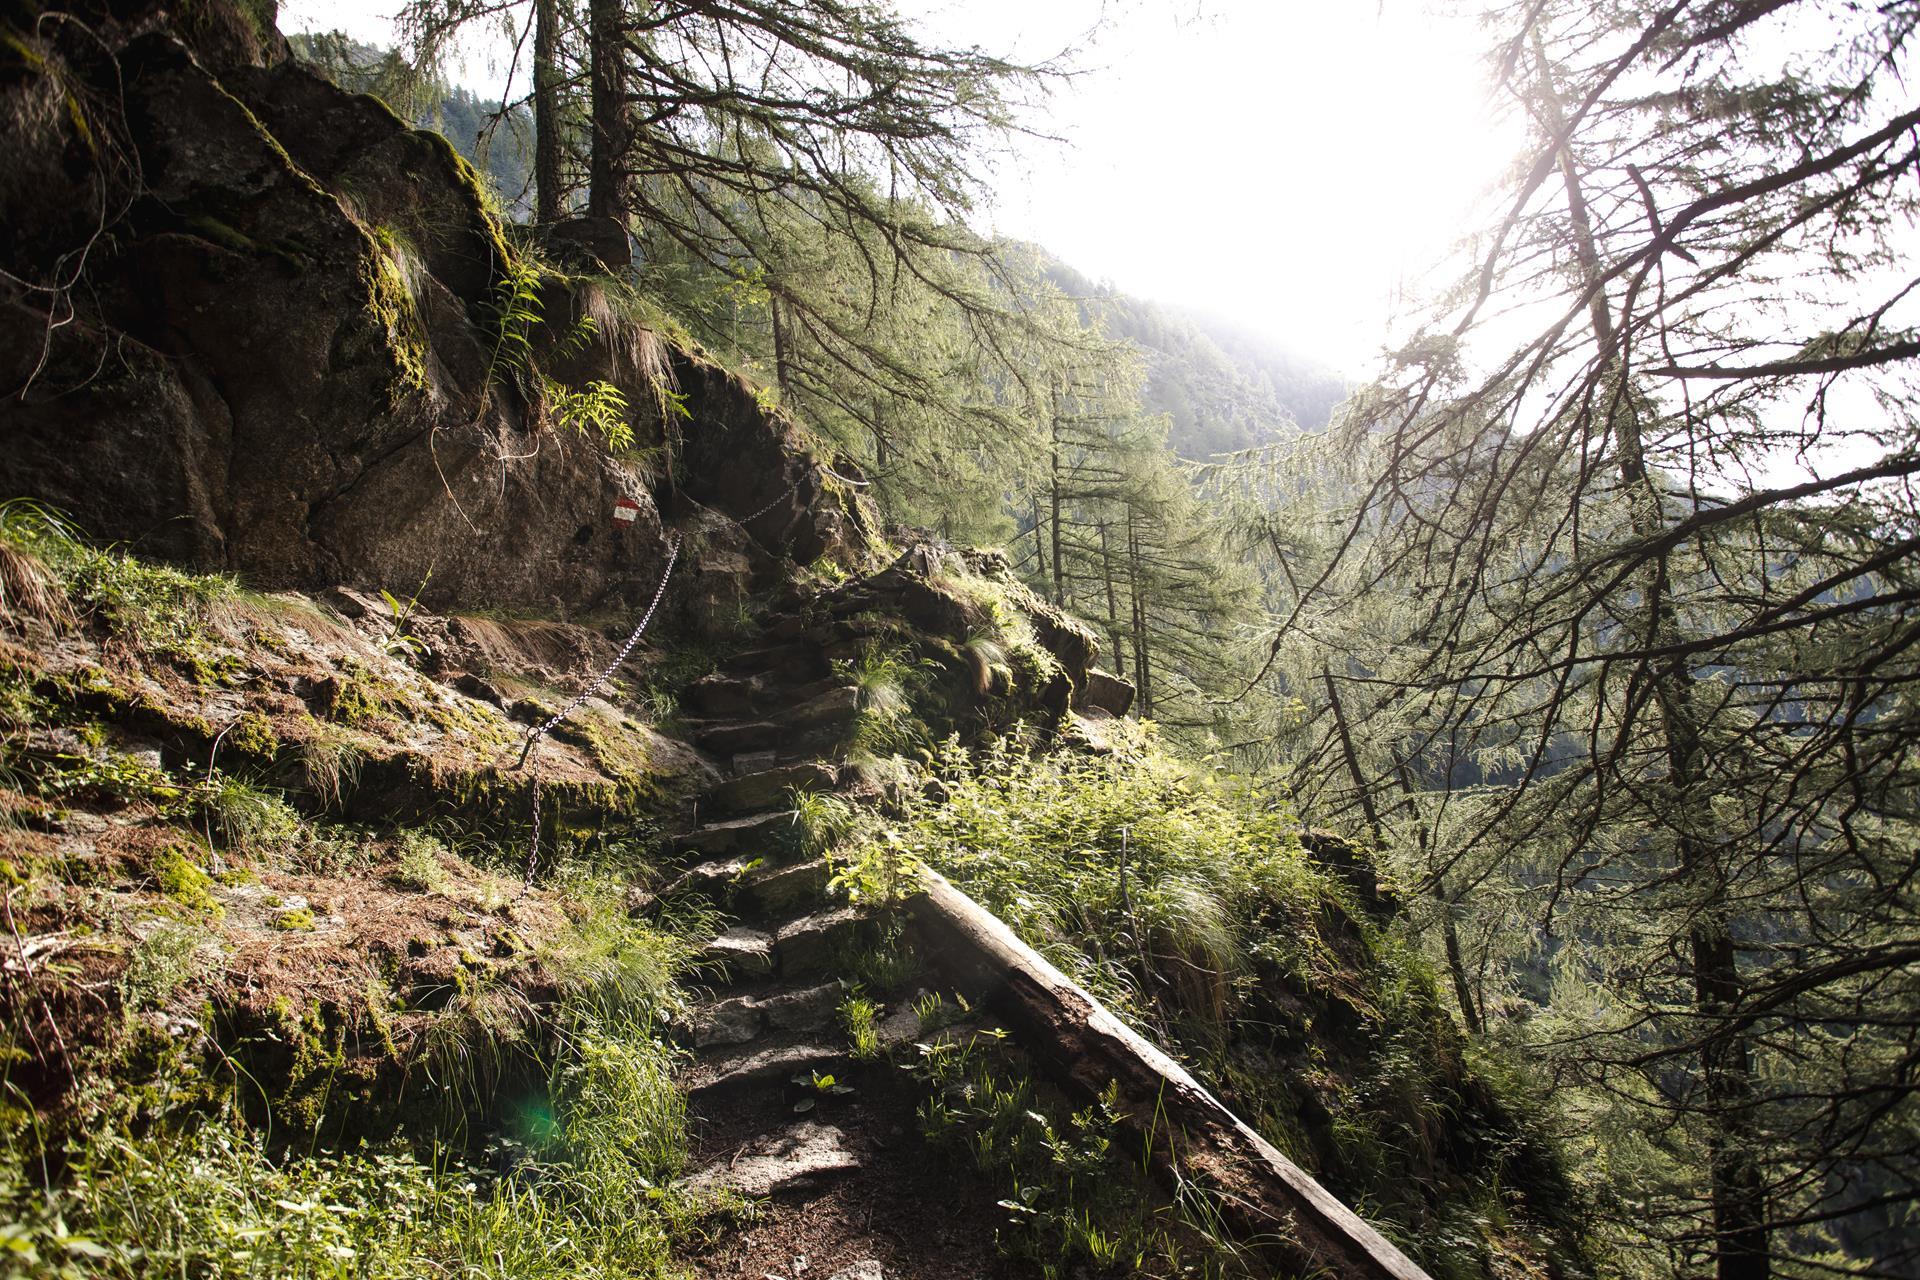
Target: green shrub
419, 866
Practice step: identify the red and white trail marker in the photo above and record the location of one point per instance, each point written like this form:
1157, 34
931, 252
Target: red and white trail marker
625, 512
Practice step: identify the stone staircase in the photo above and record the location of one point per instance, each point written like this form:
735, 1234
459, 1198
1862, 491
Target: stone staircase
781, 1108
826, 1141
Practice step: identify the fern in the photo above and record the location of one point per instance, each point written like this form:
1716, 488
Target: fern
599, 408
515, 315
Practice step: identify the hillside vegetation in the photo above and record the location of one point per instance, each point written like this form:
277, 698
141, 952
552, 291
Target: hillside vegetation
634, 696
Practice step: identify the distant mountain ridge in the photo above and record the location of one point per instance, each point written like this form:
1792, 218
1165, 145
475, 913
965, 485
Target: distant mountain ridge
1222, 387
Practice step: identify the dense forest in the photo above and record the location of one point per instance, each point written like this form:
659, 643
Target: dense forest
1511, 809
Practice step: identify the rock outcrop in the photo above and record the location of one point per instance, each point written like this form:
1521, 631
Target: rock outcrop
284, 336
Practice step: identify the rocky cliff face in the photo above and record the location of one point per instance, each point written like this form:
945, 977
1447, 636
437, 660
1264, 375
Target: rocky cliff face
255, 323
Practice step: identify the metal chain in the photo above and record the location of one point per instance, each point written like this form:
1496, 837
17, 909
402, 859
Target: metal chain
787, 492
598, 682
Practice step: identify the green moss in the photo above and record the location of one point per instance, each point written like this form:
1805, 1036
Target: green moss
253, 734
295, 920
225, 234
360, 698
184, 882
622, 755
390, 301
17, 55
468, 178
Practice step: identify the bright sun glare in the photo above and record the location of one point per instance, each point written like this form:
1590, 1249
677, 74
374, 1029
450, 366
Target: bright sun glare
1294, 166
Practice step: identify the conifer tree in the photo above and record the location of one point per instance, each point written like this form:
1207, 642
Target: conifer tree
1648, 683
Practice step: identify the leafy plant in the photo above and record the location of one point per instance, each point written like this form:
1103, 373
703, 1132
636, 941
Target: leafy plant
599, 408
171, 955
398, 641
516, 298
861, 1018
419, 866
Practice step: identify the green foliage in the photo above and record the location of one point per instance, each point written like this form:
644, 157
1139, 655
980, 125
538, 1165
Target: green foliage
156, 607
419, 866
516, 313
1075, 1200
598, 409
199, 1197
172, 954
1207, 877
861, 1018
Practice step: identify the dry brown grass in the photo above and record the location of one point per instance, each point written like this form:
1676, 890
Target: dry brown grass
29, 591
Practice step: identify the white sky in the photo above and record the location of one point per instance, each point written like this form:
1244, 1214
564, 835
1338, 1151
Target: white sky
1292, 165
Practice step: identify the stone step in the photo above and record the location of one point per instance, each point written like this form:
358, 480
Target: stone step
761, 888
753, 697
796, 1158
724, 695
784, 743
737, 954
745, 1018
770, 787
758, 834
783, 891
797, 1056
792, 658
835, 704
812, 944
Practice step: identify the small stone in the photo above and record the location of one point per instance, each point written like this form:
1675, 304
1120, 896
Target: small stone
868, 1269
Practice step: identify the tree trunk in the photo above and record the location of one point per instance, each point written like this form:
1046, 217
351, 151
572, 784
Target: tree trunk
1040, 546
546, 111
1118, 661
1737, 1187
607, 178
1142, 668
1053, 482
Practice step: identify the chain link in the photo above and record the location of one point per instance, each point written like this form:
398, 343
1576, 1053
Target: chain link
594, 686
788, 492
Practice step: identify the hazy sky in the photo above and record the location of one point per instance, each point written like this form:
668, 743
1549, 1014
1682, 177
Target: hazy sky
1292, 165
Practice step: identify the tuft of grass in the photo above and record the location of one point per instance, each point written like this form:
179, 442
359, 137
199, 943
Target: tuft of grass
28, 588
156, 607
861, 1017
822, 819
886, 679
249, 819
330, 764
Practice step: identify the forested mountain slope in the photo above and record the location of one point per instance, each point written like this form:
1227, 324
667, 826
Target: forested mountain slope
473, 767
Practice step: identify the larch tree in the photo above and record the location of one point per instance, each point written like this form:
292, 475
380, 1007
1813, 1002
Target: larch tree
1649, 680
